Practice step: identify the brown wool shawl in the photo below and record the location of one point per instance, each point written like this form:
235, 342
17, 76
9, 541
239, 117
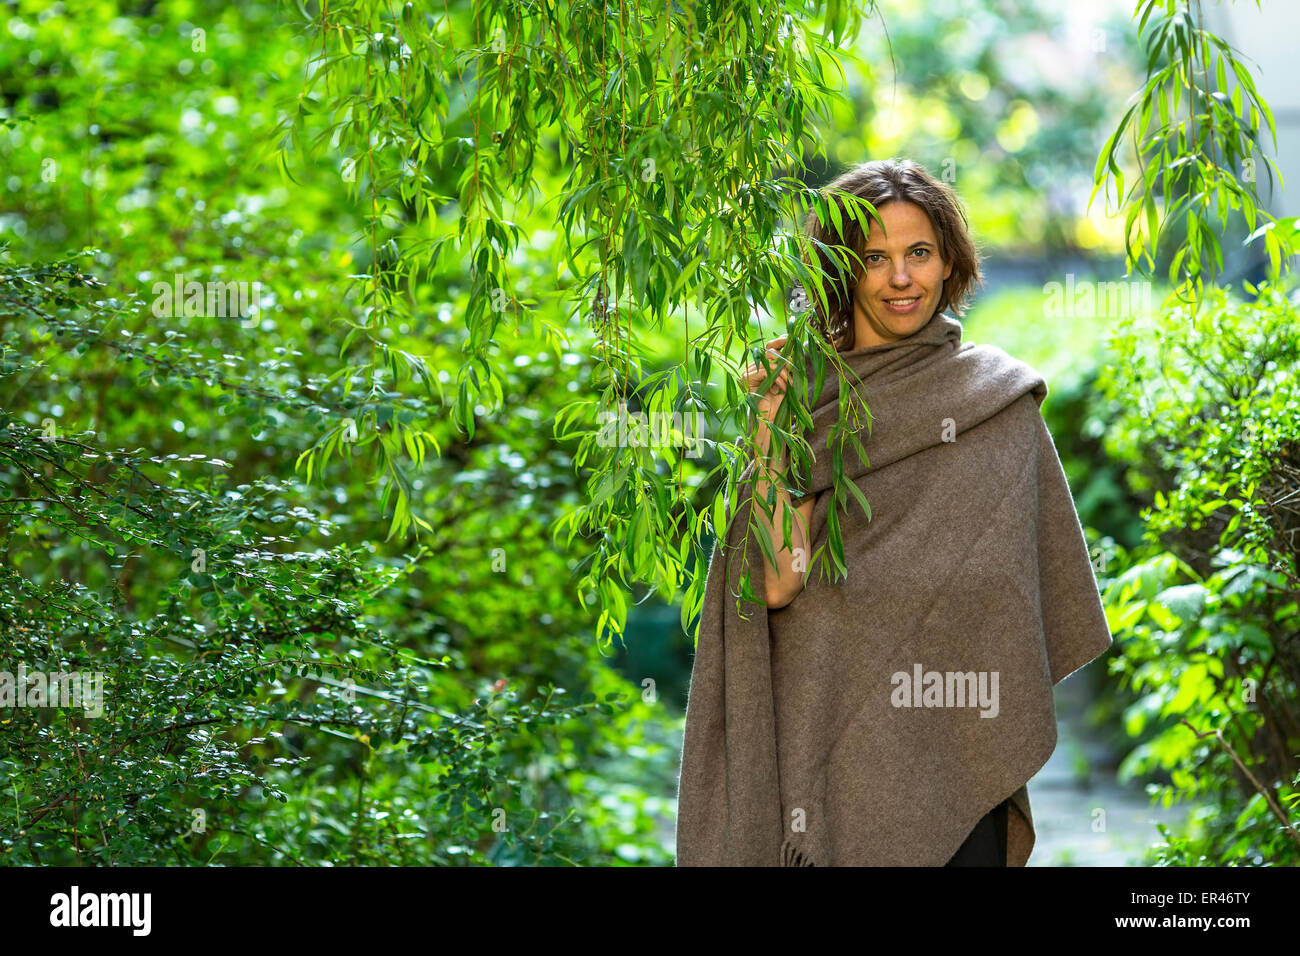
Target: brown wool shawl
802, 747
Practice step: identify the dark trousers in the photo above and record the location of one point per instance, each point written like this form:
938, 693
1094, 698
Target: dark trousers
987, 843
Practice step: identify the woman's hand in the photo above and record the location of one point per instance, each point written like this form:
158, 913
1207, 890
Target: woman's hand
770, 402
781, 582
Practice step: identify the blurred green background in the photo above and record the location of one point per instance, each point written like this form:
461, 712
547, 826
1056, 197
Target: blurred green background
125, 133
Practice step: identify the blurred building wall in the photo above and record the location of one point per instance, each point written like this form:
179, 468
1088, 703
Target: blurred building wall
1264, 38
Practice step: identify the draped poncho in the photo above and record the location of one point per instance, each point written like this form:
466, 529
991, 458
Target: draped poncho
875, 720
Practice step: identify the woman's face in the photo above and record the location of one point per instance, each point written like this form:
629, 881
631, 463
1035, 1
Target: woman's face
902, 278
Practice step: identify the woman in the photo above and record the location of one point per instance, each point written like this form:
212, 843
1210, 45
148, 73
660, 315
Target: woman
893, 717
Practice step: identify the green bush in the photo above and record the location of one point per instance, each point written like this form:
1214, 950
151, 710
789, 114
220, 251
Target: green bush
266, 703
1205, 609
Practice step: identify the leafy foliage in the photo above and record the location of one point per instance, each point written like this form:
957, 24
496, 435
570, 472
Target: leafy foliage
474, 232
1202, 165
1208, 606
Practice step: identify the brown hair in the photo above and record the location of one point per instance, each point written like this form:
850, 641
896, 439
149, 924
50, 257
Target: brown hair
878, 182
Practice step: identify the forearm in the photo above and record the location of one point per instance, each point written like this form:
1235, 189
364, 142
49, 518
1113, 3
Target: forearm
781, 582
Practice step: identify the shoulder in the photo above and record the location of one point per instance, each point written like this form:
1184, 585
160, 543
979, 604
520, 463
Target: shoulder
1015, 376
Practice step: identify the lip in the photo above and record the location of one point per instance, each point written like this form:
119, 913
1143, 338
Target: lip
903, 310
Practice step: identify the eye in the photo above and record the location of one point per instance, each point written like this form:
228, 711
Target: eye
873, 256
924, 252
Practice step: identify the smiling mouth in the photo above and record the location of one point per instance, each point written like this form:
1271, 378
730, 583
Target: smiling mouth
907, 301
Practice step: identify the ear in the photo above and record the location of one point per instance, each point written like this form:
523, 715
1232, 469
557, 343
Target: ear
947, 270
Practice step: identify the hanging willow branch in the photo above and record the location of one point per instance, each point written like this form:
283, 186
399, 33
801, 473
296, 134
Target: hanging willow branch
666, 138
1197, 160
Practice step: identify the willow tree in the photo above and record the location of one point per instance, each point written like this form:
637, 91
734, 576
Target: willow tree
668, 140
